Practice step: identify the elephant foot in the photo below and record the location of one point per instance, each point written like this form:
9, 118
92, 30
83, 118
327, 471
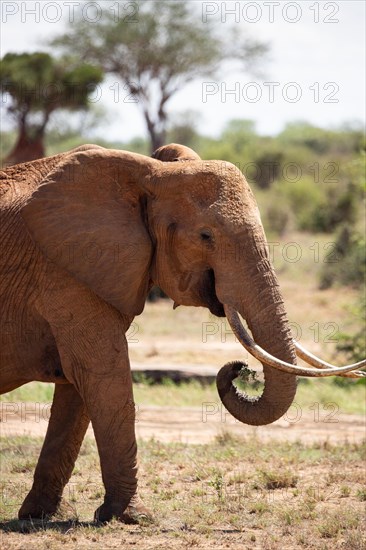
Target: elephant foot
135, 512
45, 508
38, 506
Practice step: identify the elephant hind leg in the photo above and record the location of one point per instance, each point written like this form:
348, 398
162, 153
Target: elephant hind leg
67, 426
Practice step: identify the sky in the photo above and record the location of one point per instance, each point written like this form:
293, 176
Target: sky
316, 70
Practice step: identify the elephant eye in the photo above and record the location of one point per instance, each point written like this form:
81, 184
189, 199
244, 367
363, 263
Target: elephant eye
206, 235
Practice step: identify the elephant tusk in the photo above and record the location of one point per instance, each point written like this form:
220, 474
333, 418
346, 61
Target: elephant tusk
264, 357
320, 364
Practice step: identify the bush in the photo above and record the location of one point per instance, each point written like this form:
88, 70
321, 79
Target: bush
339, 206
277, 217
268, 165
354, 346
349, 265
304, 198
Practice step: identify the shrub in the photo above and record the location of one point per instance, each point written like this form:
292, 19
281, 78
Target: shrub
304, 198
277, 217
339, 205
350, 265
268, 167
354, 346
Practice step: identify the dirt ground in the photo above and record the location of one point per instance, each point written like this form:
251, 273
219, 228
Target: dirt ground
197, 504
323, 511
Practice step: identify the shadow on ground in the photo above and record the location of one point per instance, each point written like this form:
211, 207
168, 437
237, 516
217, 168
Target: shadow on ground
32, 526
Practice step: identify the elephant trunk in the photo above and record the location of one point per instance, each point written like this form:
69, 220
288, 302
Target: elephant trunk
266, 317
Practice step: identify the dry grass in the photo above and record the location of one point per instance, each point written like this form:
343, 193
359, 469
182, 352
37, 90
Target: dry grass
233, 493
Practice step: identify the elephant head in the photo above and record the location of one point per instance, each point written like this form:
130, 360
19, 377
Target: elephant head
120, 222
211, 251
175, 153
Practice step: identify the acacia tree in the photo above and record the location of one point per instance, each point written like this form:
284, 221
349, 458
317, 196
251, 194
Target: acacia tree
33, 86
156, 51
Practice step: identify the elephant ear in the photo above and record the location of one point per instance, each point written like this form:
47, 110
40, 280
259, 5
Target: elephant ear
174, 153
86, 217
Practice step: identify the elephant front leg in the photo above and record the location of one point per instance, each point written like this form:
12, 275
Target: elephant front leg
114, 428
90, 338
66, 429
94, 356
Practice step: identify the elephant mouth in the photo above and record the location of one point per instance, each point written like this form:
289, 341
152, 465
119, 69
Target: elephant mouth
208, 294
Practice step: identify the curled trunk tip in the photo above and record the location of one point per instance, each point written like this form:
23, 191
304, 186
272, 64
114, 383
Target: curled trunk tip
279, 387
252, 410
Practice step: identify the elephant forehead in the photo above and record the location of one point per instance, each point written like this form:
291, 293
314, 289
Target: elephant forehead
233, 215
231, 188
235, 203
195, 172
216, 187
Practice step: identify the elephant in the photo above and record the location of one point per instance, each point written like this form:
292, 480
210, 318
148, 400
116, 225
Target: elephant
85, 234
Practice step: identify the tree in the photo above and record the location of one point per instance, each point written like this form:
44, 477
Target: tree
34, 85
156, 52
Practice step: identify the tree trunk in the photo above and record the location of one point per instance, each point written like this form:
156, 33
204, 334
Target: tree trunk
157, 140
26, 148
157, 137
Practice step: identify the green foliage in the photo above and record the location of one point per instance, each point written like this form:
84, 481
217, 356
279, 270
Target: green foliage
354, 346
34, 85
322, 141
268, 164
338, 206
348, 397
277, 217
7, 140
218, 484
315, 208
36, 82
348, 265
313, 177
239, 133
24, 77
304, 198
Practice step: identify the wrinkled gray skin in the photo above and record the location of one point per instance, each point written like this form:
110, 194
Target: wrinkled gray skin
85, 234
